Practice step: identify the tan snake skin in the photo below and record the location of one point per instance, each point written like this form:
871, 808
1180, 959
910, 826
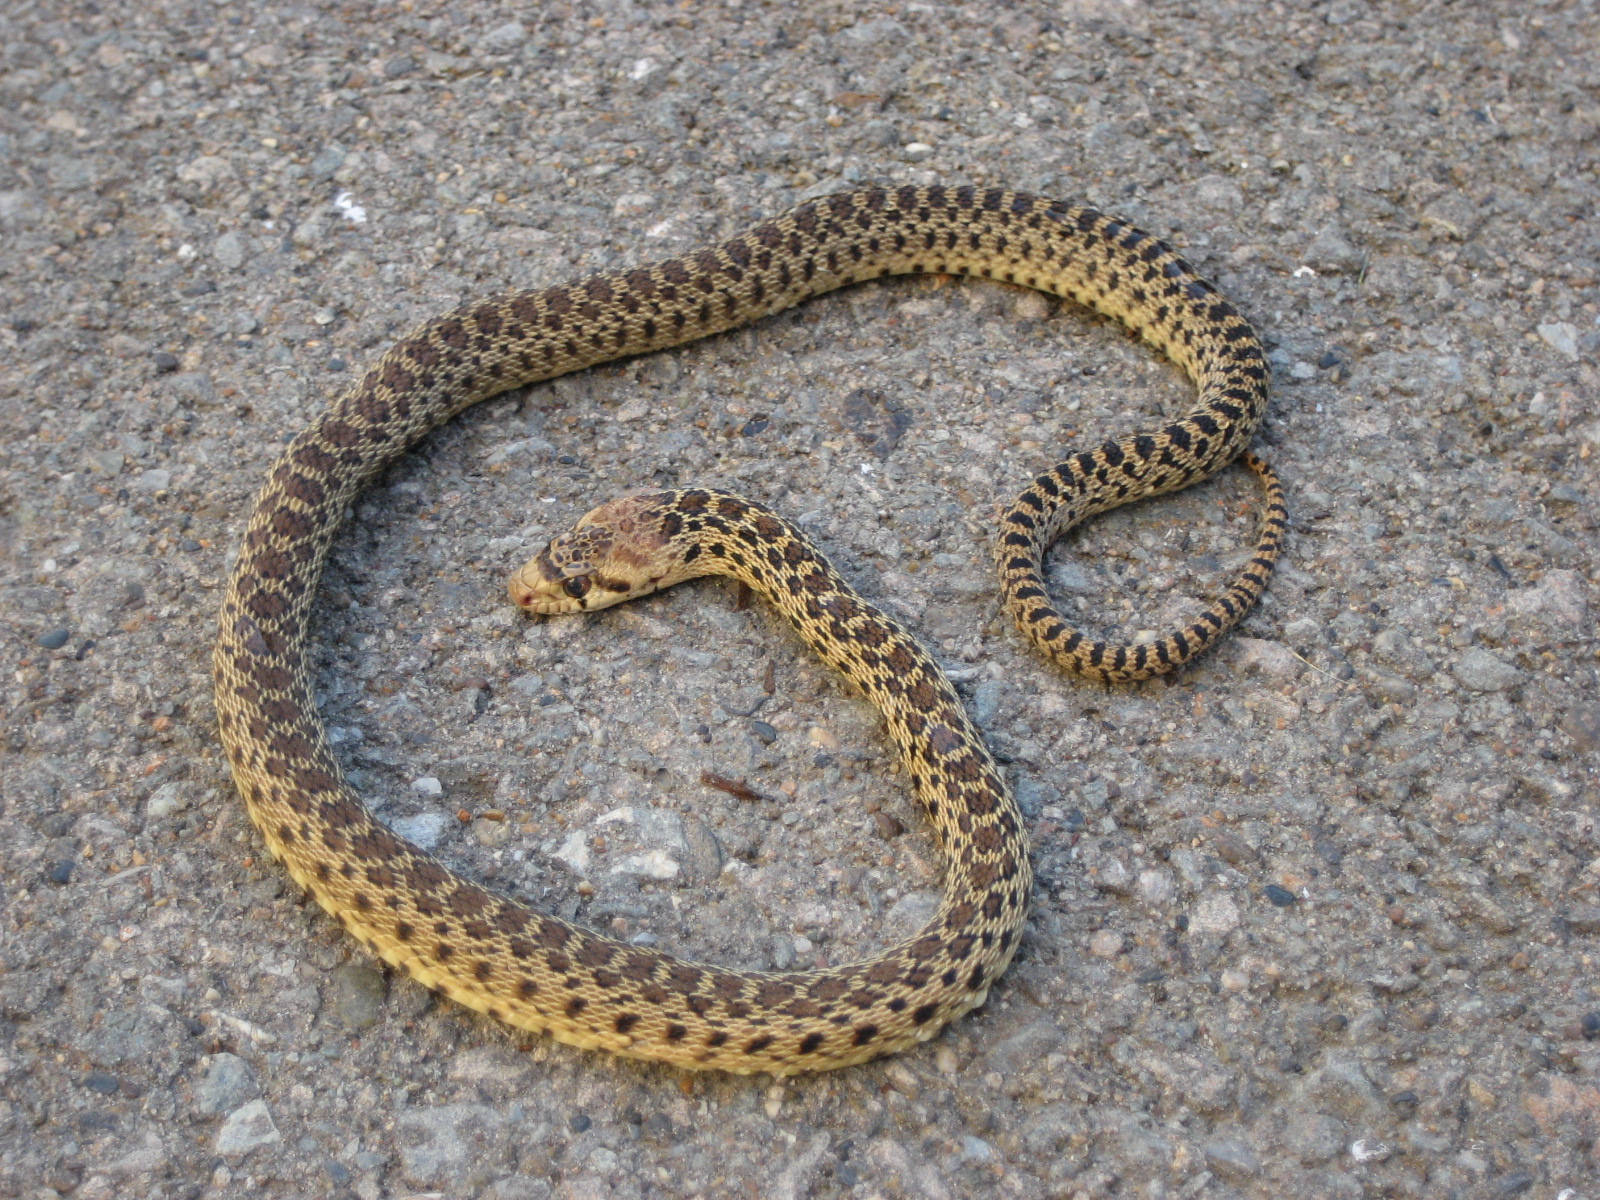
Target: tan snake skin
539, 973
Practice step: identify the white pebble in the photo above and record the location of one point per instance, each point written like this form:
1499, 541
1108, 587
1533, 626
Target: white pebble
1369, 1150
246, 1128
1106, 943
423, 830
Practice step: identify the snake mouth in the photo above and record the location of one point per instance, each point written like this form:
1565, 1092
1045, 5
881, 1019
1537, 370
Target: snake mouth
540, 588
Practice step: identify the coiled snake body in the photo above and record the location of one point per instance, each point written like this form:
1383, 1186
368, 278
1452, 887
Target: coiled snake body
539, 973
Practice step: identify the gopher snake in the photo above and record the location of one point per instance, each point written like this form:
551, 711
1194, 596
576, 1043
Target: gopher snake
539, 973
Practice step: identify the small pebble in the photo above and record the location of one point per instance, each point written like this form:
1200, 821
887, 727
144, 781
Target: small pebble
1484, 671
1581, 722
975, 1150
246, 1128
783, 953
1513, 1184
986, 696
1365, 1150
823, 739
99, 1081
506, 37
327, 161
423, 830
355, 994
1280, 896
164, 801
55, 639
1561, 337
229, 251
1232, 1159
227, 1083
1106, 943
1157, 886
773, 1103
1215, 914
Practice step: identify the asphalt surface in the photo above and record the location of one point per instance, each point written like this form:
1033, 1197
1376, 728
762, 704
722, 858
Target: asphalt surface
1317, 918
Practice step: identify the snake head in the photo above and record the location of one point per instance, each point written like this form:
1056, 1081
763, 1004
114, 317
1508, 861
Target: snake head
614, 553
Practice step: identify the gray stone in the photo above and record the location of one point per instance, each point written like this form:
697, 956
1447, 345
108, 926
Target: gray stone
1156, 886
1273, 660
228, 250
1581, 722
1483, 671
702, 854
165, 800
506, 37
519, 1187
911, 913
245, 1129
986, 699
226, 1084
423, 830
1216, 913
355, 994
1232, 1159
1561, 337
327, 161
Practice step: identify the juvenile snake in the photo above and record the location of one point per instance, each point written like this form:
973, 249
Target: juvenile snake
539, 973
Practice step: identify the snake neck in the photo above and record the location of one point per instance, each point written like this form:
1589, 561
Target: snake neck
718, 533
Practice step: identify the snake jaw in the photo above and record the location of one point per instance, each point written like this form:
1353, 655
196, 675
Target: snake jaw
552, 583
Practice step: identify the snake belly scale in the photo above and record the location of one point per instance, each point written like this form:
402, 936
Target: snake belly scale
536, 972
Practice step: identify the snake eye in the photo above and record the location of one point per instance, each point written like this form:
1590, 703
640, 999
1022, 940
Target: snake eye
577, 586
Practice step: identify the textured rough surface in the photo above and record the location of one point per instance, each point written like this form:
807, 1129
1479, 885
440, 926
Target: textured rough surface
211, 219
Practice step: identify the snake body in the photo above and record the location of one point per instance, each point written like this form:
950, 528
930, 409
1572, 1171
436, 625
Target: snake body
539, 973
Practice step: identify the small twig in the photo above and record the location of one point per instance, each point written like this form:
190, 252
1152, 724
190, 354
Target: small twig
734, 787
1314, 666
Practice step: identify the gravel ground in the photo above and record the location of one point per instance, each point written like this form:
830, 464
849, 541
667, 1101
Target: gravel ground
1320, 917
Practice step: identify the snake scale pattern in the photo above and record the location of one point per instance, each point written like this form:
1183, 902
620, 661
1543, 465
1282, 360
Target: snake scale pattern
539, 973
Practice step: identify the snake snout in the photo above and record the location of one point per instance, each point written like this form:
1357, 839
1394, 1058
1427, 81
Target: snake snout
523, 591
